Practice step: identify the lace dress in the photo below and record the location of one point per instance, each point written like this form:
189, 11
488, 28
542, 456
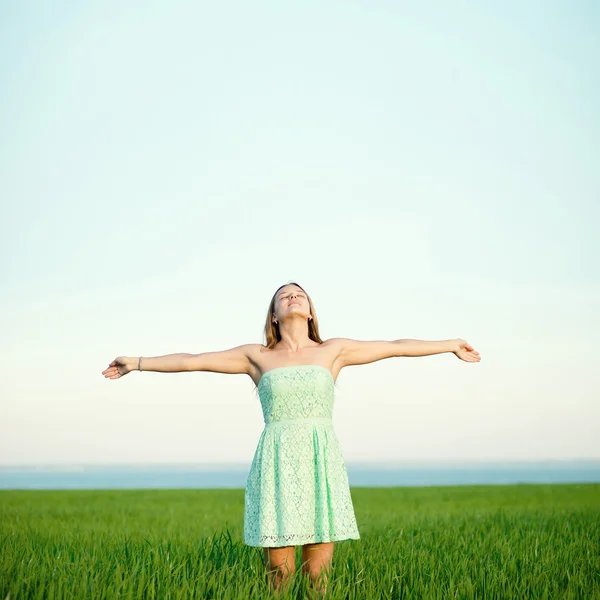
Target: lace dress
297, 490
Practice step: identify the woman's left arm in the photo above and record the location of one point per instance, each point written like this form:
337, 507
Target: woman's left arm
357, 352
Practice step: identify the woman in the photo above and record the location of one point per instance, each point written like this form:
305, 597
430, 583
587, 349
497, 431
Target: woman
297, 490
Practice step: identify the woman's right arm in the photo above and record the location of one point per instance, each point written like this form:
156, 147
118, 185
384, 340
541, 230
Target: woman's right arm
234, 360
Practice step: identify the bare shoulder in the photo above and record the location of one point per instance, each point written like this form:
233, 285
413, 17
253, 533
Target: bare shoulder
337, 343
253, 350
335, 348
247, 350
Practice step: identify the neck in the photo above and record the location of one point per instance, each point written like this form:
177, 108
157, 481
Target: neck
294, 335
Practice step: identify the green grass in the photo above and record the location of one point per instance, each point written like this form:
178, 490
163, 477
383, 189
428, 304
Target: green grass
521, 541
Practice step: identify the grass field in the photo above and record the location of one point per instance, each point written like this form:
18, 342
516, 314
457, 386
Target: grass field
520, 541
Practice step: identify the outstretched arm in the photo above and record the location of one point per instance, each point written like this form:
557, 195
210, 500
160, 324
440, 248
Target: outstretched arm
234, 360
357, 352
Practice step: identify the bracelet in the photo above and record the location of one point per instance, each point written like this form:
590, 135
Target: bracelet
140, 364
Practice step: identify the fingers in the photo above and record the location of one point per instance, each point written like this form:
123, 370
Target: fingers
470, 356
112, 373
470, 348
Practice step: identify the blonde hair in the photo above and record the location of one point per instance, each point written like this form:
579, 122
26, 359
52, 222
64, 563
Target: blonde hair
272, 334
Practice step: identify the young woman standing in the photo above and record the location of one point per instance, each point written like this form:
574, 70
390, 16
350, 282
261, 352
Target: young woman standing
297, 491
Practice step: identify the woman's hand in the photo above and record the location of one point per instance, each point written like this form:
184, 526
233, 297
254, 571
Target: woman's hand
119, 367
465, 351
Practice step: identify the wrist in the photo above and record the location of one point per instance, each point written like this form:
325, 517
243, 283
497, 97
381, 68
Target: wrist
132, 363
454, 344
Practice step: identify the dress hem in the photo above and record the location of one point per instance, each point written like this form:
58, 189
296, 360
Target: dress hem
341, 538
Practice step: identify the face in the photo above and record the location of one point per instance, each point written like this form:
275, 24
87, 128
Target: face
291, 299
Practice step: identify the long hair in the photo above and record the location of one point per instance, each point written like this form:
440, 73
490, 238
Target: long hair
272, 329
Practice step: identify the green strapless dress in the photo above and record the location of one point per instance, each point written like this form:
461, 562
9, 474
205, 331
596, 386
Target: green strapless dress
297, 490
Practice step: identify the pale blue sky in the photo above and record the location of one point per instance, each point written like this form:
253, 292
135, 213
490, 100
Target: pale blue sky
425, 171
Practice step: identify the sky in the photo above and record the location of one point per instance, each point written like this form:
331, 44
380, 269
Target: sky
424, 170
